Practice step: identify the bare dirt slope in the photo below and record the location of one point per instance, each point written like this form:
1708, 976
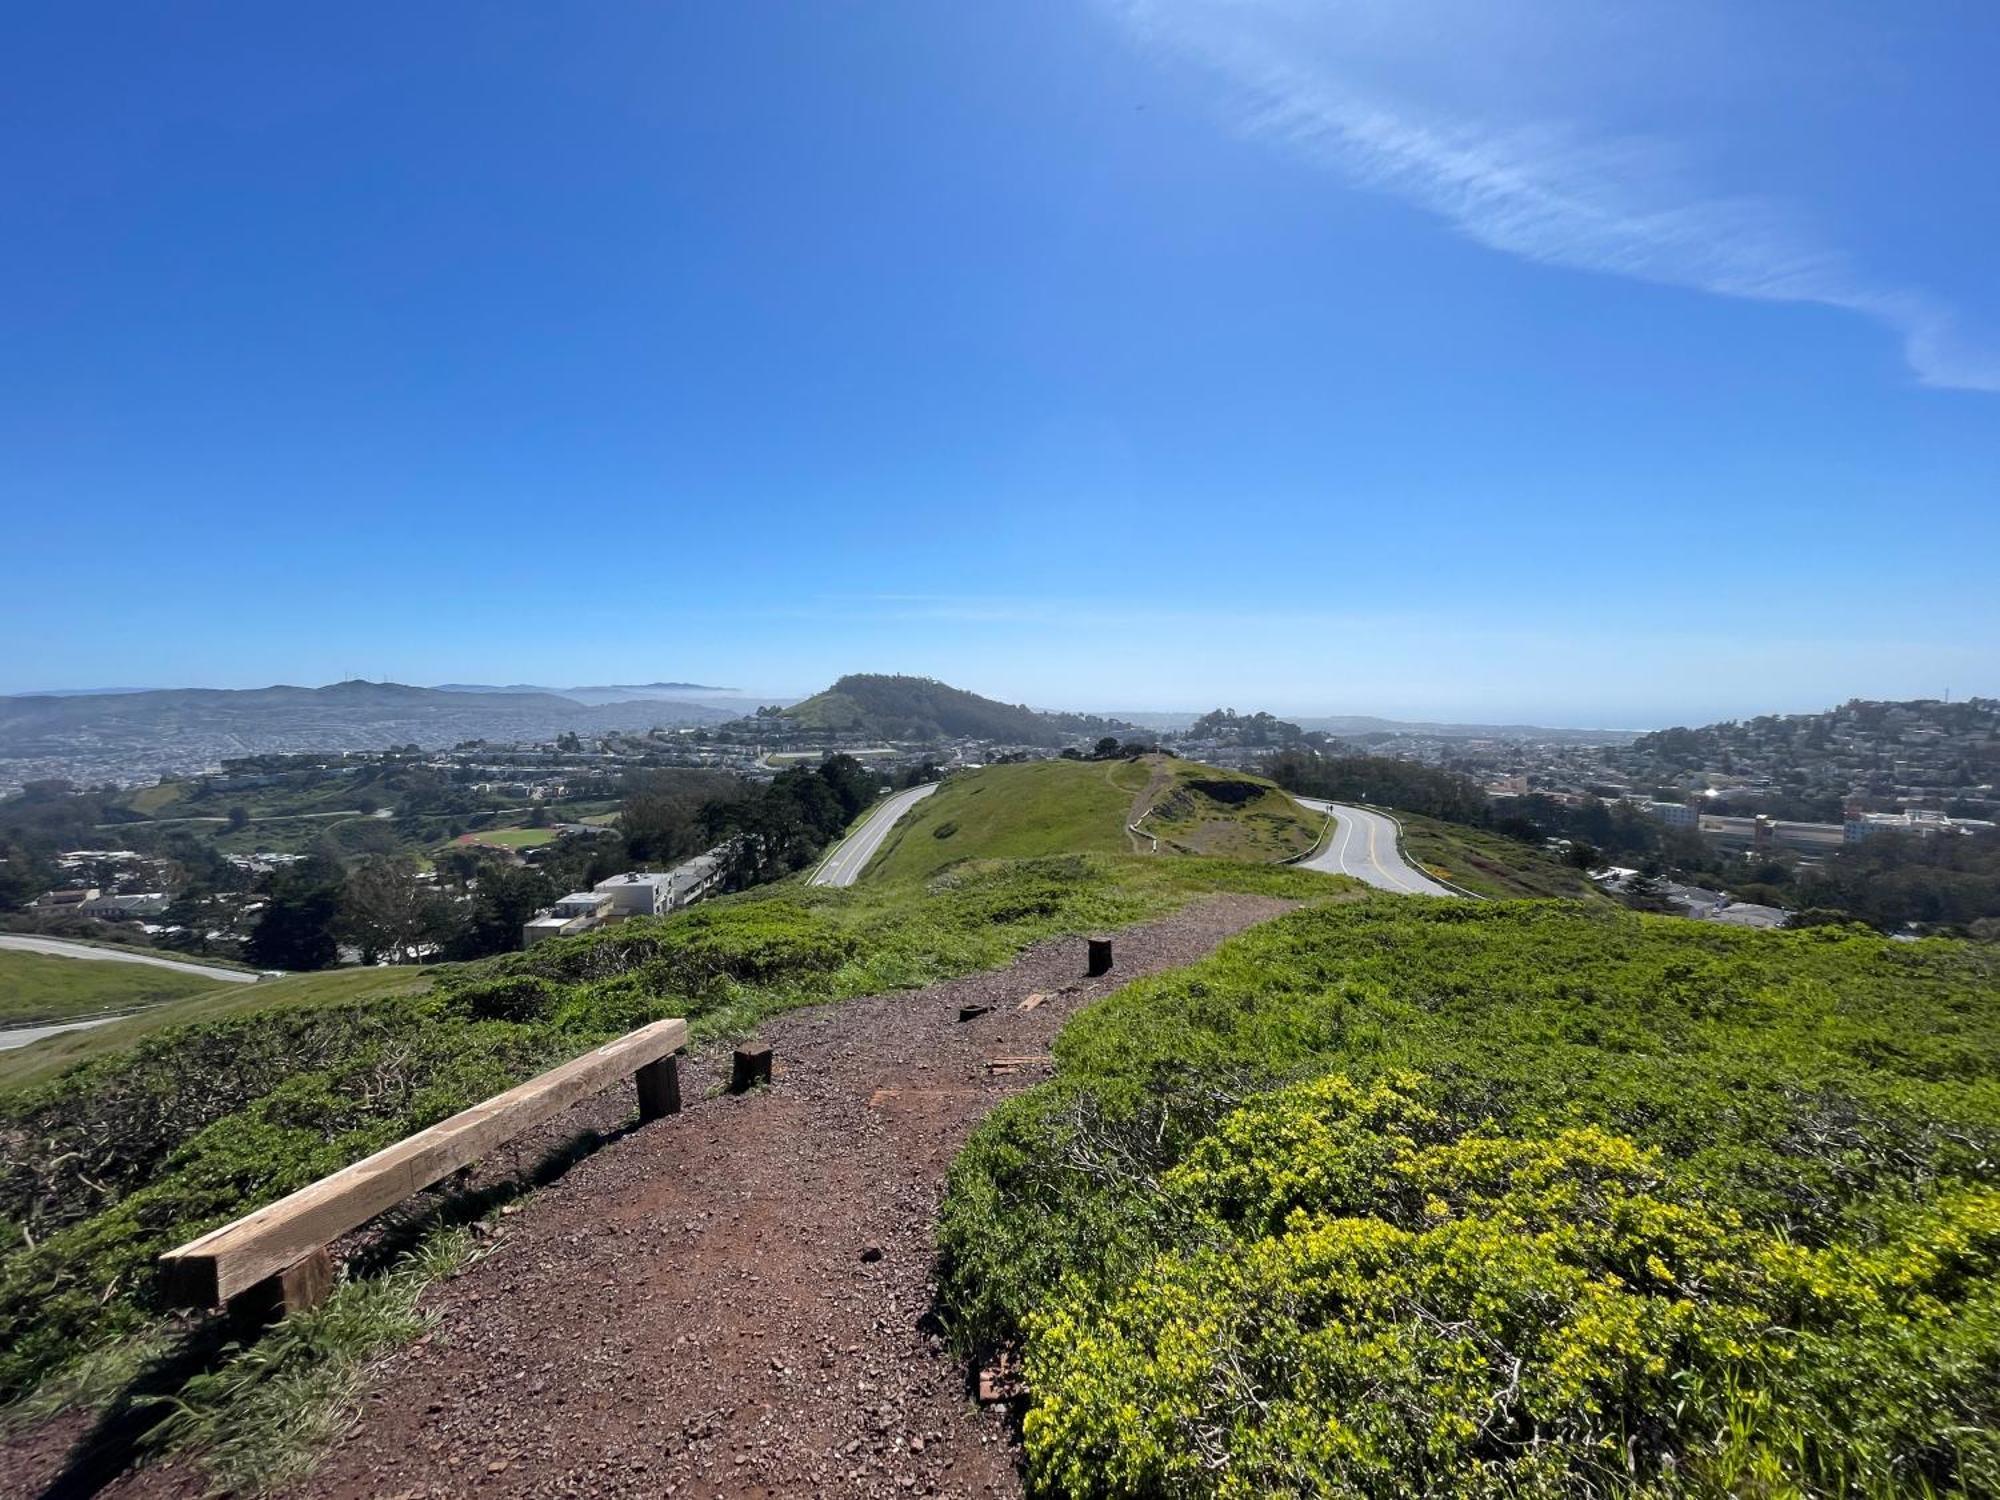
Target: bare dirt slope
734, 1302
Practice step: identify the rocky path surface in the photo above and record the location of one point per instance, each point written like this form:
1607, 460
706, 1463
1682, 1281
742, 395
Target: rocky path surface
734, 1302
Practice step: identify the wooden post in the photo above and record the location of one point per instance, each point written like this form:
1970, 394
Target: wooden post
300, 1287
750, 1067
1100, 957
659, 1084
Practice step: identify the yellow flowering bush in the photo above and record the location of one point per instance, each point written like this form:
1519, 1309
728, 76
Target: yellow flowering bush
1365, 1311
1433, 1198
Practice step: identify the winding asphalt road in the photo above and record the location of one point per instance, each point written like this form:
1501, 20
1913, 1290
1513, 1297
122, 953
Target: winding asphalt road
60, 949
850, 857
20, 1036
1363, 844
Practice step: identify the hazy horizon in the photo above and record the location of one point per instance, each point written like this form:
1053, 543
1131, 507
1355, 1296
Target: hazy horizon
1293, 709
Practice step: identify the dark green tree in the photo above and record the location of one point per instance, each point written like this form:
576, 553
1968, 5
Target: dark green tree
506, 898
296, 929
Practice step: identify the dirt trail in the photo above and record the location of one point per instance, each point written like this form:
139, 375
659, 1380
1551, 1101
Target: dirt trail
734, 1302
1158, 781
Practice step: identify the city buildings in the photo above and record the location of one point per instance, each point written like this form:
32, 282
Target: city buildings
637, 893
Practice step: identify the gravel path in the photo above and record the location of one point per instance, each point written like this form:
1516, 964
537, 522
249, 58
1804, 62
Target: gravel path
734, 1302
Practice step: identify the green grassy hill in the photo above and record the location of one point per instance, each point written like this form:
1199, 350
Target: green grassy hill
44, 987
1083, 807
1197, 809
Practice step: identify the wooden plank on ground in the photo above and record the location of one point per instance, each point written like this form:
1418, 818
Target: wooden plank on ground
1015, 1064
237, 1256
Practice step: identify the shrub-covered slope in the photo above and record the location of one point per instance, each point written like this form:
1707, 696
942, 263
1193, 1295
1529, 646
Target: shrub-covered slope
1195, 809
1436, 1198
186, 1127
1489, 865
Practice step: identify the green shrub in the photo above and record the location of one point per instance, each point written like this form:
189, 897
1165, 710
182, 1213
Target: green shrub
1434, 1198
517, 997
1364, 1313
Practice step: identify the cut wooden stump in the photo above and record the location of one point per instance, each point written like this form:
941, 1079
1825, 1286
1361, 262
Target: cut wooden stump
275, 1250
1100, 957
750, 1067
1032, 1001
659, 1085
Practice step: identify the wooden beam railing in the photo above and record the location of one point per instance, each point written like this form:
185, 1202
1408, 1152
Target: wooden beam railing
276, 1258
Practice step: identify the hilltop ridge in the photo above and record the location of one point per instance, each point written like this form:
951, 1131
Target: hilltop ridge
902, 708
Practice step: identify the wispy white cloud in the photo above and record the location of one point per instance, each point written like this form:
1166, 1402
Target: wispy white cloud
1551, 193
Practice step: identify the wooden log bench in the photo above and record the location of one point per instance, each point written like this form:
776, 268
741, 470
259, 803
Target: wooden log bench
275, 1260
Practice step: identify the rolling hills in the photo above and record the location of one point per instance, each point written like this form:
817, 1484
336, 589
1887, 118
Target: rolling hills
1069, 806
129, 737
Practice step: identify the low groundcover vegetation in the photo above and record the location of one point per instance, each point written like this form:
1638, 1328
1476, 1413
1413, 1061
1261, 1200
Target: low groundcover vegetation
115, 1161
1412, 1198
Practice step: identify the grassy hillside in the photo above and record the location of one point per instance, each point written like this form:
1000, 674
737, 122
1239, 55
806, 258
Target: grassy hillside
915, 708
171, 1129
42, 987
1069, 806
1011, 812
1196, 809
207, 1001
1435, 1198
1490, 865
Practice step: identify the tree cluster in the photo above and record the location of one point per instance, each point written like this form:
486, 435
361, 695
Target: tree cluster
782, 827
1257, 731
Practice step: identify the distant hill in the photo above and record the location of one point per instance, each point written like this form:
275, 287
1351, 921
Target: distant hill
919, 708
612, 693
169, 708
1360, 726
1083, 807
128, 737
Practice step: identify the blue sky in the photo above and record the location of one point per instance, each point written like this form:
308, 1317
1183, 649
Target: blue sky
1557, 361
